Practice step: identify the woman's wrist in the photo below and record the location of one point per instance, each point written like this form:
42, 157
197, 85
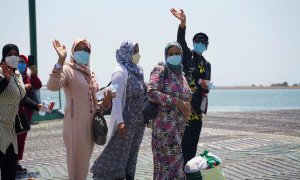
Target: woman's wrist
182, 24
61, 61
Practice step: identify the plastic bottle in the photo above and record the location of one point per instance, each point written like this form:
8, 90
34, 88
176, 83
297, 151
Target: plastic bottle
48, 105
113, 88
211, 85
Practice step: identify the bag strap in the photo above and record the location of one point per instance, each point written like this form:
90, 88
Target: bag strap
106, 86
19, 119
19, 92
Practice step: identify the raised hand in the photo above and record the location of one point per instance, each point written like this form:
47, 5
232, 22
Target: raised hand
61, 51
32, 69
179, 15
7, 71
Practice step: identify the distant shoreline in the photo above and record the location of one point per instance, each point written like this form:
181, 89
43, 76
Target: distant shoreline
257, 87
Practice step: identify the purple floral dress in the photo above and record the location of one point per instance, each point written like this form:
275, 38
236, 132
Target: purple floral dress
168, 127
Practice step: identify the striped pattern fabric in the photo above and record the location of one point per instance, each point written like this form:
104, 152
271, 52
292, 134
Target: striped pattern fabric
9, 105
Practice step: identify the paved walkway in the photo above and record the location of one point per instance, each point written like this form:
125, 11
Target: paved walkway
245, 154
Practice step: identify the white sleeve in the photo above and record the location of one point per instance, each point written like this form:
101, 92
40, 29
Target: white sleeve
119, 78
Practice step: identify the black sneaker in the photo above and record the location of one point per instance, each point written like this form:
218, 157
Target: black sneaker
20, 169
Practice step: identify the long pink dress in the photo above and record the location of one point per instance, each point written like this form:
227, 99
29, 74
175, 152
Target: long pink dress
77, 127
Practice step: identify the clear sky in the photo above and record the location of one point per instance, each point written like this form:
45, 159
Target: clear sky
251, 41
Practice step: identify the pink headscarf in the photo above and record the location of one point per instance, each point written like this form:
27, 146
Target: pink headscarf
85, 69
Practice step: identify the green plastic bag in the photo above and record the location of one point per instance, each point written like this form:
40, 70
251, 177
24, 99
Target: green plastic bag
214, 173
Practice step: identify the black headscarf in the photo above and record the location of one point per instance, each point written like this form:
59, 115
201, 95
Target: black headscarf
6, 49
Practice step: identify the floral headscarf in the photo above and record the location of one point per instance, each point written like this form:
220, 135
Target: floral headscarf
176, 69
172, 44
124, 58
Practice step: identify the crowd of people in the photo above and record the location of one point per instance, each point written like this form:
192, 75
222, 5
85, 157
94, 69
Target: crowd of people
178, 86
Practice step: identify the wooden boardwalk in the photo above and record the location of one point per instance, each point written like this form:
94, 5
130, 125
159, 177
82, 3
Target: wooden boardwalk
254, 145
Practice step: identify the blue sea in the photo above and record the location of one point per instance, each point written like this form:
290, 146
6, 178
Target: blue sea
241, 100
231, 100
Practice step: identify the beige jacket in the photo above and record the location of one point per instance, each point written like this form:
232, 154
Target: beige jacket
9, 105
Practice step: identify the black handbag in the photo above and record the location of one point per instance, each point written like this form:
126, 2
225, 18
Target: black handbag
150, 109
22, 125
100, 129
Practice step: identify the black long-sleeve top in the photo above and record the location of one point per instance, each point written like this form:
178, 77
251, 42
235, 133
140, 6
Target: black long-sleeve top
195, 67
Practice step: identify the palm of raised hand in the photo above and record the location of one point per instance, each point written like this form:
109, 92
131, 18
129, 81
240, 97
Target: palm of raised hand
60, 49
7, 71
178, 14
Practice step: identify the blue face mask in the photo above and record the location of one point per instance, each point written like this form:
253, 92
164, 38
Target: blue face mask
22, 67
174, 60
82, 57
199, 47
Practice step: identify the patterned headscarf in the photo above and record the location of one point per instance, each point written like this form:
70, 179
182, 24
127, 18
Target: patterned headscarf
85, 69
176, 69
124, 58
171, 44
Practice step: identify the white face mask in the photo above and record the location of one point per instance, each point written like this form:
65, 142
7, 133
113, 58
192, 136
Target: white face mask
136, 58
12, 61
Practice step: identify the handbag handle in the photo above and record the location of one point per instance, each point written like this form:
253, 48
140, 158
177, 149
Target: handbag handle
22, 103
19, 119
210, 159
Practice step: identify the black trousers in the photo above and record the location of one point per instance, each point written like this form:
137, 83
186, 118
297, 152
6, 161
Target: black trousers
190, 139
8, 164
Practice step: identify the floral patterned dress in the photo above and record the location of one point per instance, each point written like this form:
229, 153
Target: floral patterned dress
168, 127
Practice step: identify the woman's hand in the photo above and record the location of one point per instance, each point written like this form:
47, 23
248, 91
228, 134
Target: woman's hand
7, 71
28, 87
61, 51
106, 102
179, 15
32, 69
108, 95
203, 84
184, 107
122, 130
40, 106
